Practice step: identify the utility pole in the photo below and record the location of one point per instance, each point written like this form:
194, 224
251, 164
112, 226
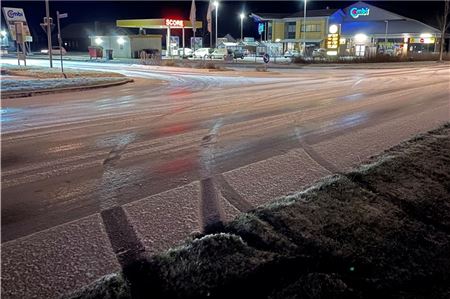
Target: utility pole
242, 16
304, 37
386, 33
49, 32
216, 4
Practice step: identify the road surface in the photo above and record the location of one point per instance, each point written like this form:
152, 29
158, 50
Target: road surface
88, 177
67, 156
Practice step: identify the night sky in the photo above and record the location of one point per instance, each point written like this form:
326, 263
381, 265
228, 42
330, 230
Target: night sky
109, 11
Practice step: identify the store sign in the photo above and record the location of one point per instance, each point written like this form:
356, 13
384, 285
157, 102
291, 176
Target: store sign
174, 23
15, 15
356, 12
333, 41
260, 28
422, 40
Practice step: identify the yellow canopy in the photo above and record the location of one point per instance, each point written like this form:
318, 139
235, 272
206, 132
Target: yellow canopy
157, 23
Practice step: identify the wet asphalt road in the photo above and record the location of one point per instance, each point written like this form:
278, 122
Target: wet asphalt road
67, 156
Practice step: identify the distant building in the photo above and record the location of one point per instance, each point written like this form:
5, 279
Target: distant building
362, 29
76, 36
127, 46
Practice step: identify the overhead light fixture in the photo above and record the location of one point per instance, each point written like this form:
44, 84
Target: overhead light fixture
98, 41
120, 40
361, 38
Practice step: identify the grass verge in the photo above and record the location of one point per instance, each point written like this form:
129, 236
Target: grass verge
381, 231
46, 73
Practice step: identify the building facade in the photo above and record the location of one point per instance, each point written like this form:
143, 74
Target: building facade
361, 30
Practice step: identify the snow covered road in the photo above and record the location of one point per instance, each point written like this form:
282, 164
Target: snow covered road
188, 146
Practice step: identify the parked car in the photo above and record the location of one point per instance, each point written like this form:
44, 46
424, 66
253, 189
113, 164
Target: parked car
291, 53
319, 53
187, 52
152, 51
238, 54
219, 53
202, 53
55, 51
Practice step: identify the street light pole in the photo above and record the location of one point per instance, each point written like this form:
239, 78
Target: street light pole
386, 33
60, 41
49, 33
216, 4
304, 30
242, 16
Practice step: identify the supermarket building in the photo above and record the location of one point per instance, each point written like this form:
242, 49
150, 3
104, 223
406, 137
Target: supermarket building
362, 30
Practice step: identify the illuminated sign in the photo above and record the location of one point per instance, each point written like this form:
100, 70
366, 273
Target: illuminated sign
333, 28
333, 41
422, 40
260, 28
356, 12
174, 23
15, 15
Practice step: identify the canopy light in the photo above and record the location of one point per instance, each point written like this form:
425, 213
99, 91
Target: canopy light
361, 38
98, 41
120, 40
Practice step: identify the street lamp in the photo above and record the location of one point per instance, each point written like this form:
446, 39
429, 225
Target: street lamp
304, 33
242, 16
216, 4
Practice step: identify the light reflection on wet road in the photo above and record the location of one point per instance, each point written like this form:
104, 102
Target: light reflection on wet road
65, 156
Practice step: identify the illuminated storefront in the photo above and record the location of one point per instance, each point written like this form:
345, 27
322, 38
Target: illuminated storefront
363, 30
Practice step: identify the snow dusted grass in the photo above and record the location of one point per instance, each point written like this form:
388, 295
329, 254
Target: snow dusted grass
381, 231
11, 85
45, 72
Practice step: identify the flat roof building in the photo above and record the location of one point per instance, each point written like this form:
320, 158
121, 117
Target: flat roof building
362, 29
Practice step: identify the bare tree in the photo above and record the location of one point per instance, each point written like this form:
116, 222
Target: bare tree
444, 24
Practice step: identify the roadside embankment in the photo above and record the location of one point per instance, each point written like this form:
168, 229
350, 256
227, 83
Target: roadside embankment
21, 81
381, 231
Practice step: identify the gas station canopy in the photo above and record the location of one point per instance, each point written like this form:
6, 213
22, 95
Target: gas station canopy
157, 24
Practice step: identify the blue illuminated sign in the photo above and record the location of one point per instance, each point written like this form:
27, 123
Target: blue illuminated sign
356, 12
260, 28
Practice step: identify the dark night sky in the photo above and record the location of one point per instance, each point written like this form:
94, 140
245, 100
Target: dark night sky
90, 11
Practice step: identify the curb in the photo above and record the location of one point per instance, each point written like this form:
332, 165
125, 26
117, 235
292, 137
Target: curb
22, 94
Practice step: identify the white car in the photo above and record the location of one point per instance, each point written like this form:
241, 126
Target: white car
219, 53
201, 53
55, 51
187, 52
291, 53
320, 53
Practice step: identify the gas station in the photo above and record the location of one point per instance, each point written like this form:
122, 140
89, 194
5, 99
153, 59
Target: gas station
163, 24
